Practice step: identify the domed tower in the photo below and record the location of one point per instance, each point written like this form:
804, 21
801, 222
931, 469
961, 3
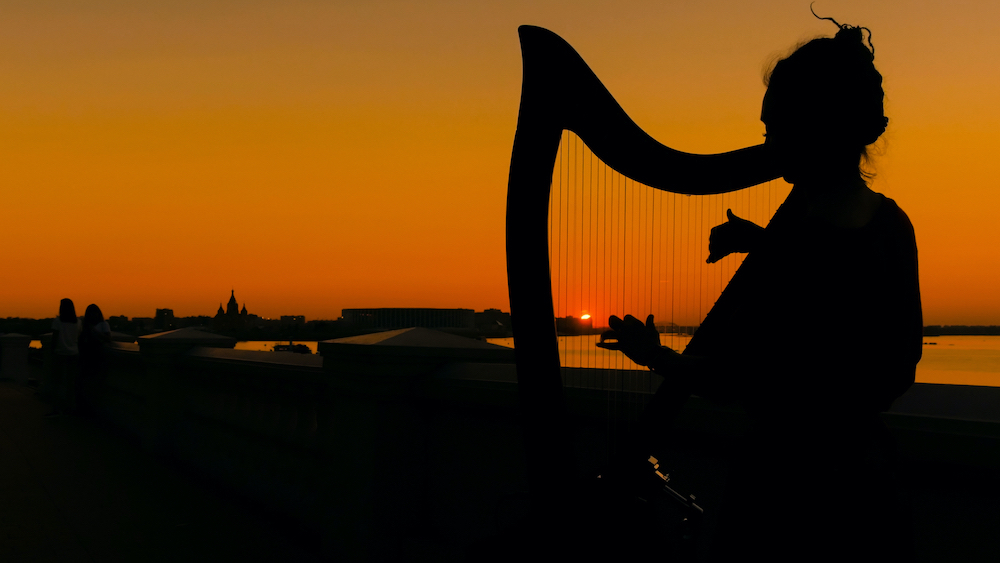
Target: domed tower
219, 322
232, 308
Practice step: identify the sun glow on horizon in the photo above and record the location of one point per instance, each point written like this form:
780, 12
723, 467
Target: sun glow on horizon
198, 147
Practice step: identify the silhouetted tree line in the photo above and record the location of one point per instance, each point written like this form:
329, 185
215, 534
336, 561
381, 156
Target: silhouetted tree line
962, 330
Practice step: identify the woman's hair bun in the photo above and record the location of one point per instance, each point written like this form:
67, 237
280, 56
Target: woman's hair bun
853, 38
836, 78
850, 35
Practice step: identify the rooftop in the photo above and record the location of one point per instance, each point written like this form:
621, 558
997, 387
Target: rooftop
74, 491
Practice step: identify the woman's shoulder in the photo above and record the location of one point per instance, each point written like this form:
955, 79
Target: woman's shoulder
891, 230
891, 215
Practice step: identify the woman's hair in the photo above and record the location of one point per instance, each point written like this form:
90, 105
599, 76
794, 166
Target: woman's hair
93, 316
67, 312
832, 81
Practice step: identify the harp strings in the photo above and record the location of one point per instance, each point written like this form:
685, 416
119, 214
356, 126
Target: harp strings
618, 247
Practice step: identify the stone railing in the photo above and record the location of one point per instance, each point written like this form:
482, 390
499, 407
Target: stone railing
14, 357
377, 448
407, 444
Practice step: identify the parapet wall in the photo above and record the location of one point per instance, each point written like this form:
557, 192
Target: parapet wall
370, 452
379, 454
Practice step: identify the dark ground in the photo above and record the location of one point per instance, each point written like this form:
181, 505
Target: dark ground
71, 490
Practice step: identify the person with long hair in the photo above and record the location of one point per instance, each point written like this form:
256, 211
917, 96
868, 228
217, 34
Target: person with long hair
65, 332
94, 335
818, 332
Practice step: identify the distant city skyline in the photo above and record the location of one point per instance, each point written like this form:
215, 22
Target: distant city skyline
224, 306
318, 156
259, 306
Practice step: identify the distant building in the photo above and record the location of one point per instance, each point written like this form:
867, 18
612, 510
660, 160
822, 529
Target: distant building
231, 319
164, 320
393, 318
293, 320
119, 323
493, 322
572, 326
199, 321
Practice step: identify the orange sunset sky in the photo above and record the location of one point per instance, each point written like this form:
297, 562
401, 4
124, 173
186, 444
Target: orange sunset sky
317, 155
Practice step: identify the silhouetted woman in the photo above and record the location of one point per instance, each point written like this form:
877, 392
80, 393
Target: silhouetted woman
94, 335
65, 331
818, 332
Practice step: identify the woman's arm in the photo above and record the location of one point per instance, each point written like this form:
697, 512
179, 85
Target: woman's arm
641, 343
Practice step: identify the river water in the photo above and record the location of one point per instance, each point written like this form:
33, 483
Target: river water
956, 360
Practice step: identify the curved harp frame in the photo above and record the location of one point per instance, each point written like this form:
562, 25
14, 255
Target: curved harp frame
560, 92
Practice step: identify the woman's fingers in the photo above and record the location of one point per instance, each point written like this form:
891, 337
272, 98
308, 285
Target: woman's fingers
637, 340
719, 240
627, 327
610, 335
735, 235
734, 218
631, 322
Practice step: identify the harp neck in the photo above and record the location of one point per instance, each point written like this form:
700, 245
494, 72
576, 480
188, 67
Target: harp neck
559, 91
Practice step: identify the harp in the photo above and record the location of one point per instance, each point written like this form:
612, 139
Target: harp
560, 93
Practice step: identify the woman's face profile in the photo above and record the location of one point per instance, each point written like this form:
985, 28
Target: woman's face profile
800, 138
783, 138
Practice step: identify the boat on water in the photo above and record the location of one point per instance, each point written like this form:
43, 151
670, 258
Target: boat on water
292, 347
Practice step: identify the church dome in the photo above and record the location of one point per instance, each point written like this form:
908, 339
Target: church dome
232, 308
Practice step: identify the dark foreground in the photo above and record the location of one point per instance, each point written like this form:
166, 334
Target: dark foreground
74, 490
71, 490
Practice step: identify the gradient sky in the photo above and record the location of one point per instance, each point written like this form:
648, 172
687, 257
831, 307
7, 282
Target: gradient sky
322, 155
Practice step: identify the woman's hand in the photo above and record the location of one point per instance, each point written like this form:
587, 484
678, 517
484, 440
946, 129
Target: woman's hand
640, 342
735, 235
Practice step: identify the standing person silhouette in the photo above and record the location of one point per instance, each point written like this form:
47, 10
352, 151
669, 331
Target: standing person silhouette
94, 335
65, 331
818, 332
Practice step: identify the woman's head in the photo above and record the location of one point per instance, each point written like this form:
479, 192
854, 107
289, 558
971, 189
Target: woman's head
824, 101
93, 316
67, 312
